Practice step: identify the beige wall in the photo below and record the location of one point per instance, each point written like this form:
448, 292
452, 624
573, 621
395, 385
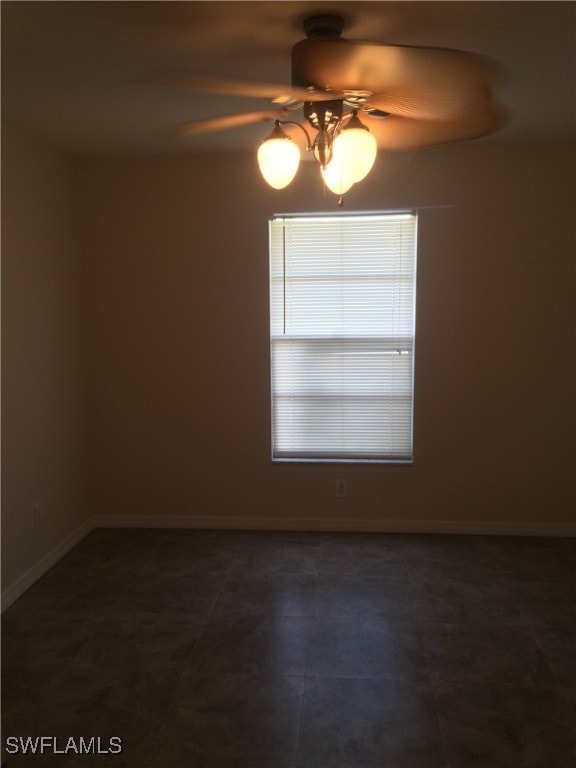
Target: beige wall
176, 250
43, 387
135, 362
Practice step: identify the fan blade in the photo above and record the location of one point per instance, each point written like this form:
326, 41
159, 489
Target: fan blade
439, 102
431, 83
279, 94
223, 123
402, 133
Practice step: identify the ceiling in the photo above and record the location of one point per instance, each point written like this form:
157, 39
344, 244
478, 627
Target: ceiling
81, 73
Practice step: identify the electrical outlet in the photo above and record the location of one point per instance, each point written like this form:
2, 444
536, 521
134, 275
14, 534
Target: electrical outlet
37, 514
341, 489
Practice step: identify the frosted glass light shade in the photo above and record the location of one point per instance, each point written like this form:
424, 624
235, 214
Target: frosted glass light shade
336, 177
278, 159
355, 148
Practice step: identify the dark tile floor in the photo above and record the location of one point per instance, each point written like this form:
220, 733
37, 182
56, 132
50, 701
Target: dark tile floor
218, 649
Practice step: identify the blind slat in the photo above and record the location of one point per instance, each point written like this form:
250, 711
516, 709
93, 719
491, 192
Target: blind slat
342, 303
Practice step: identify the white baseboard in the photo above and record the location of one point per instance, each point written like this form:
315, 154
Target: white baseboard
29, 577
373, 525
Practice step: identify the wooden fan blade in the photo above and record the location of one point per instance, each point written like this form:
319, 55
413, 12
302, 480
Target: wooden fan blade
279, 94
223, 123
402, 133
431, 83
439, 102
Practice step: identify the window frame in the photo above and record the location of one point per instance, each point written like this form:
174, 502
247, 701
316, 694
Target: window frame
323, 457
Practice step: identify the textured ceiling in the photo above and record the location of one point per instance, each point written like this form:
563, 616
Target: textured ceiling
80, 72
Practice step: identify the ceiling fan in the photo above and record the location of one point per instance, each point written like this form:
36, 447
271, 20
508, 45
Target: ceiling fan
357, 96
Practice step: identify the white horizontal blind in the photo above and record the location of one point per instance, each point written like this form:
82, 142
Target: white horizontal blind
342, 293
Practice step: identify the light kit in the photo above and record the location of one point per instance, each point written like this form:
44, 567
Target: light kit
344, 148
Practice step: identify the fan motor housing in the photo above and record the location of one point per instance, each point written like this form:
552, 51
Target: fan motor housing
318, 27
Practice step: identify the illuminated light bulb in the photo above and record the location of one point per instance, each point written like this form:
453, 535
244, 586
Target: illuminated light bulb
336, 178
278, 158
355, 148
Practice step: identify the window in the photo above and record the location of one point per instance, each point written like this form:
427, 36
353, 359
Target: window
342, 302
